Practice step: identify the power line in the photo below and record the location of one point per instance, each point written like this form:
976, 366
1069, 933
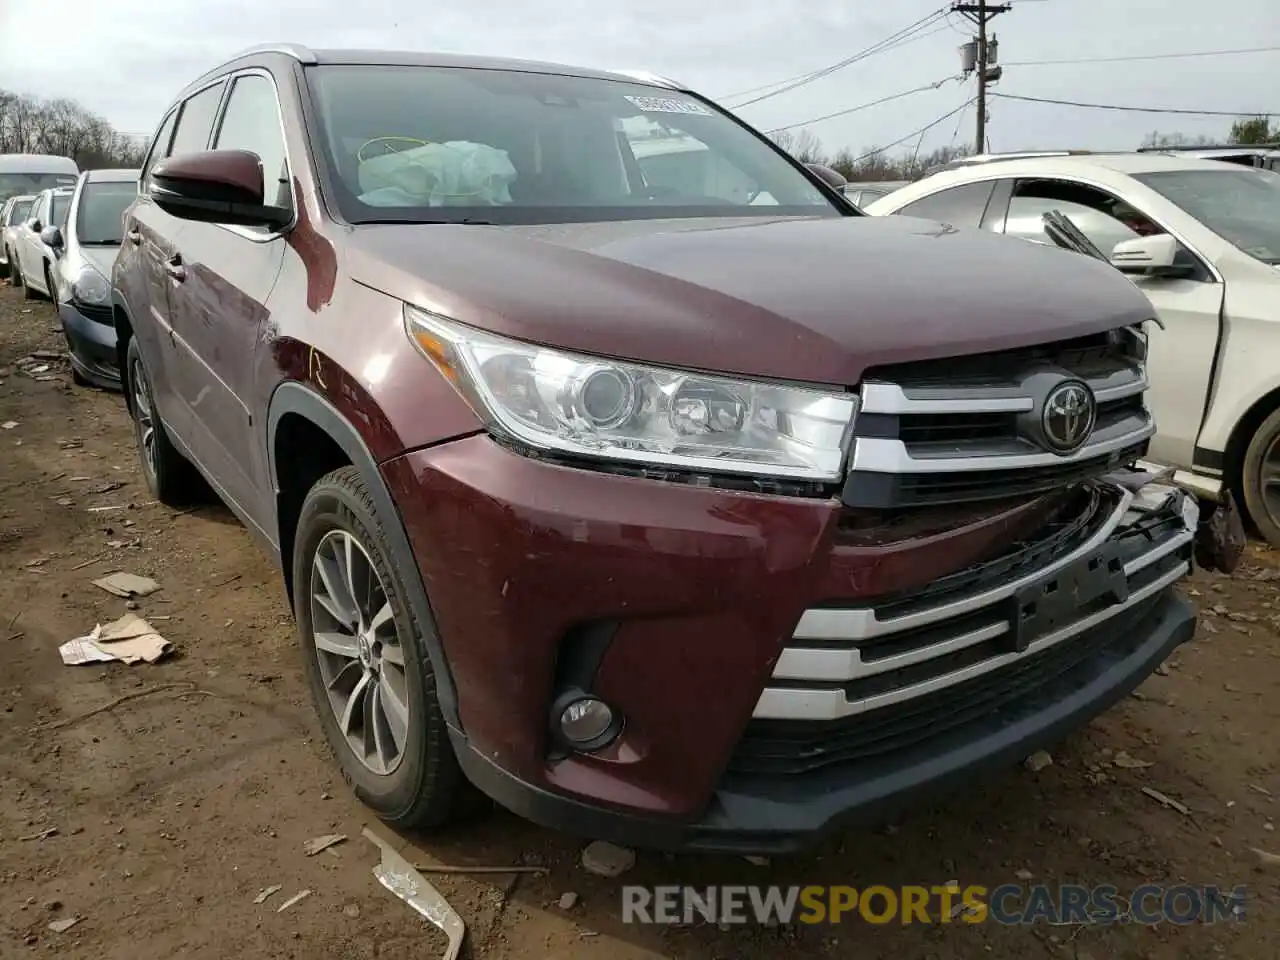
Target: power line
1129, 109
1147, 56
888, 42
915, 133
864, 106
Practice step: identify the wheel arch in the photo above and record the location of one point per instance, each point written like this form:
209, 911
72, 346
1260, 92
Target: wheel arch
296, 406
1239, 439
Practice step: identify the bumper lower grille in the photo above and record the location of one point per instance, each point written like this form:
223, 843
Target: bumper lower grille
1103, 555
788, 748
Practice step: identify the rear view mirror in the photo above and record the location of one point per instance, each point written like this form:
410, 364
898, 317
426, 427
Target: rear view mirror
216, 186
52, 238
1155, 256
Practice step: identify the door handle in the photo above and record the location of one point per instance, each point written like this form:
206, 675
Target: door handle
174, 268
134, 236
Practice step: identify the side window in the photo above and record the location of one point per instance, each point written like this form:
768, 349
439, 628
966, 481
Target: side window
38, 209
159, 149
196, 121
252, 122
960, 206
1104, 219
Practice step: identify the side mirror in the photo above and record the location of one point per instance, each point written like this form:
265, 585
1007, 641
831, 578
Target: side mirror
1155, 256
34, 225
828, 176
51, 237
216, 186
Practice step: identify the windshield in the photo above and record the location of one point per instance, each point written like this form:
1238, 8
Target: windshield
18, 212
1241, 206
497, 146
12, 184
100, 216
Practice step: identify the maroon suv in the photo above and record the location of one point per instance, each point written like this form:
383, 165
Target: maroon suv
617, 465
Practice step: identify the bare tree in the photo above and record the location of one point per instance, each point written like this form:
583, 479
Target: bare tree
63, 127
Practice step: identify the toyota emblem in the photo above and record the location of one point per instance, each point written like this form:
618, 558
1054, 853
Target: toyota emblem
1068, 416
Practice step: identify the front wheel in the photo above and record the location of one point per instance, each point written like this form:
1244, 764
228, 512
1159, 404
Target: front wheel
371, 679
1261, 478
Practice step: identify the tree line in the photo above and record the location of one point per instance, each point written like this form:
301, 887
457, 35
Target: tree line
63, 127
877, 164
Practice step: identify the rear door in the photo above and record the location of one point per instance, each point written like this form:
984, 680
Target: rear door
1180, 356
153, 236
220, 305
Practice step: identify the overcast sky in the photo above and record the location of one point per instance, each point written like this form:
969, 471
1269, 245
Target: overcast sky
125, 59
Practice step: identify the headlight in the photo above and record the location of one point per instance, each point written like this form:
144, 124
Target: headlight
592, 406
91, 287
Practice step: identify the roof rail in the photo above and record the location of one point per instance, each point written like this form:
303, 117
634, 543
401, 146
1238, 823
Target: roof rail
978, 158
299, 52
644, 76
1239, 147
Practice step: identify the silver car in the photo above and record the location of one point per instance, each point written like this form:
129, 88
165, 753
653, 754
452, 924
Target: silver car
84, 250
14, 212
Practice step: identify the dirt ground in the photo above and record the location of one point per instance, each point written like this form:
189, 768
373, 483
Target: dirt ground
154, 802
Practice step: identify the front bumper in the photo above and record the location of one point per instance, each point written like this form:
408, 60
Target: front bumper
693, 611
91, 335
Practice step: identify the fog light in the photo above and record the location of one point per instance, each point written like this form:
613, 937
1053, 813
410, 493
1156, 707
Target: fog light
585, 720
582, 723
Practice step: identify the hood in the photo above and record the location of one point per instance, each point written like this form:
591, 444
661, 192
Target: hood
813, 299
100, 258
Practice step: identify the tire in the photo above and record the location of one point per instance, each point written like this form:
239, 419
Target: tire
48, 285
1262, 461
169, 475
15, 273
423, 786
28, 292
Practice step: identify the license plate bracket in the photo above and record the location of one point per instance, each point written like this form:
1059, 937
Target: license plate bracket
1065, 596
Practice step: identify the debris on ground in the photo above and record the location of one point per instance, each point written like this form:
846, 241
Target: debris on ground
1023, 874
607, 860
352, 910
1038, 761
474, 869
127, 585
568, 900
756, 861
267, 893
1166, 801
321, 844
42, 835
8, 425
1265, 858
397, 875
1260, 789
128, 640
63, 925
1126, 762
296, 898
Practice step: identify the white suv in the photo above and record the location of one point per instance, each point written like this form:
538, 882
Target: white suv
1202, 239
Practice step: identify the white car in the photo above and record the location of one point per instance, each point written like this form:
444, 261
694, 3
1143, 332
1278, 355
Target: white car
13, 214
35, 257
1202, 239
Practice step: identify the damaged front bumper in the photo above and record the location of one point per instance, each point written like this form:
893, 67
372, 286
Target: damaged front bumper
873, 705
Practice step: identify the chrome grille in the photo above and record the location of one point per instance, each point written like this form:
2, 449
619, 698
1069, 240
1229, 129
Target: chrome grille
953, 431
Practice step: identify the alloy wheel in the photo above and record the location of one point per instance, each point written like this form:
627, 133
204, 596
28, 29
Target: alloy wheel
1269, 480
142, 413
361, 658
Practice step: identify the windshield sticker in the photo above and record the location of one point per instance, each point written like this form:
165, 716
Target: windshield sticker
669, 105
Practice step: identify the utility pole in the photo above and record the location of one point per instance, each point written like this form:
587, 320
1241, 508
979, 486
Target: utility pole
982, 13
